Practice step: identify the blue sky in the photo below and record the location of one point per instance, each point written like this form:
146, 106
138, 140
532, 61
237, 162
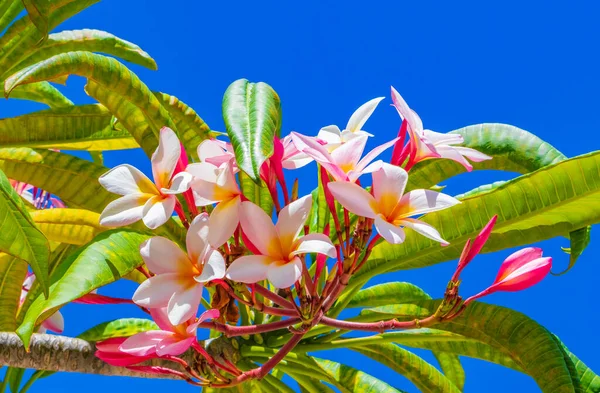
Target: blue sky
529, 64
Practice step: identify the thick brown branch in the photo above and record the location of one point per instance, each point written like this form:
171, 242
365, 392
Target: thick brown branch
59, 353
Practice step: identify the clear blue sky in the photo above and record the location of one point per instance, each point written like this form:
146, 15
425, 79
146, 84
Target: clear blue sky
530, 64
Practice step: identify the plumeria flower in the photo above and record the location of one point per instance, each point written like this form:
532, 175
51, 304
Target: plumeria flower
279, 245
519, 271
153, 203
180, 277
217, 185
56, 322
292, 157
172, 339
334, 137
217, 153
110, 352
344, 163
429, 144
389, 206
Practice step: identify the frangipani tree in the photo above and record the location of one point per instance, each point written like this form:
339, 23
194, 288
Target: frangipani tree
221, 244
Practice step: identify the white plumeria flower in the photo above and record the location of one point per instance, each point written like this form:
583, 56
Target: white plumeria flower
153, 203
389, 207
279, 245
217, 153
431, 144
180, 277
211, 185
292, 157
334, 137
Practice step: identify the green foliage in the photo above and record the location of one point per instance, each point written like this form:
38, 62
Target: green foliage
579, 240
118, 328
110, 256
12, 273
256, 193
252, 114
68, 226
20, 237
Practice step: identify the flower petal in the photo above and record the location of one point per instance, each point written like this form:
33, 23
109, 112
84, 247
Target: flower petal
126, 179
284, 275
55, 323
291, 221
181, 182
213, 268
319, 152
518, 259
366, 160
414, 122
163, 256
161, 318
196, 239
525, 276
388, 186
424, 229
144, 343
156, 291
259, 229
418, 202
249, 269
158, 210
174, 346
165, 157
354, 198
348, 154
450, 153
125, 210
390, 232
472, 154
438, 138
362, 114
314, 243
224, 219
330, 134
184, 303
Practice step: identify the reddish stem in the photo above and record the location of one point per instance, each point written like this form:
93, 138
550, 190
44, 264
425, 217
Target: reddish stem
381, 326
234, 331
275, 298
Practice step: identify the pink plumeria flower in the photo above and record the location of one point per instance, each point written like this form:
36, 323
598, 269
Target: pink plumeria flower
344, 163
519, 271
180, 277
334, 137
292, 157
56, 322
279, 245
110, 352
211, 185
172, 339
153, 203
389, 206
217, 153
429, 144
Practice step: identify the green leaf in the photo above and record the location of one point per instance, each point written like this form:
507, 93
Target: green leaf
252, 114
12, 274
480, 190
70, 226
97, 157
191, 129
529, 344
20, 237
256, 193
579, 241
550, 202
388, 293
590, 382
13, 379
86, 127
85, 40
353, 380
38, 11
319, 214
512, 149
42, 92
124, 327
110, 256
422, 374
9, 10
452, 368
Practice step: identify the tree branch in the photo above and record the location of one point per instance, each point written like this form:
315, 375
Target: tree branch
60, 353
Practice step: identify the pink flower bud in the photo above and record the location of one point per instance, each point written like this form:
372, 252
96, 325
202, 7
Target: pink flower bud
473, 248
519, 271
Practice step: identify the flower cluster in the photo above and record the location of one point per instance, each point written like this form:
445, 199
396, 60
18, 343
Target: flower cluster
234, 246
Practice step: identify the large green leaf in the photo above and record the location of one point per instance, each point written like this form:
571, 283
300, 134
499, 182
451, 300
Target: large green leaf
39, 12
550, 202
9, 10
20, 237
110, 256
425, 376
42, 92
252, 114
388, 293
451, 368
530, 345
103, 70
512, 149
353, 380
12, 275
69, 226
86, 127
86, 40
590, 382
124, 327
256, 193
